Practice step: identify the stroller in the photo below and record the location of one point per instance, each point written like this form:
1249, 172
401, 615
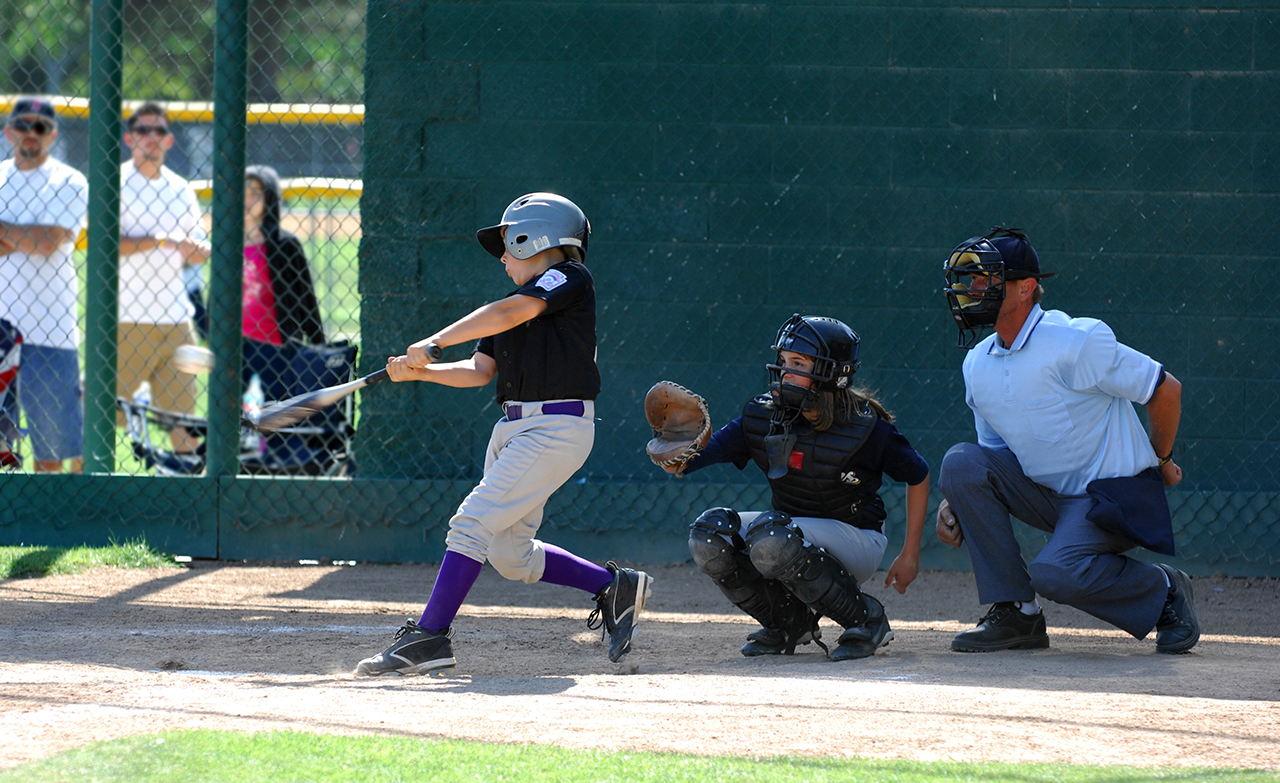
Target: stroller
10, 358
317, 446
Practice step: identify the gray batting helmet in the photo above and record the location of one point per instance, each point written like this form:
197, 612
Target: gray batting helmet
536, 222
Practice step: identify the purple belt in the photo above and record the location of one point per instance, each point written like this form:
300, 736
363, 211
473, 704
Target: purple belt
570, 408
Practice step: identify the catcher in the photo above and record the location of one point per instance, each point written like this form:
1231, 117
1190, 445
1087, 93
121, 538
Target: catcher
824, 446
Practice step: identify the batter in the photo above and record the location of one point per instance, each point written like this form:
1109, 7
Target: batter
540, 343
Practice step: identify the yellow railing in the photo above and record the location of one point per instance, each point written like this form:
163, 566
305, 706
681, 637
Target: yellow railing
202, 111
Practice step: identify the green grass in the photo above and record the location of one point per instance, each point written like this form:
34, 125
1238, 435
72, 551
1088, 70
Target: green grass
18, 562
292, 756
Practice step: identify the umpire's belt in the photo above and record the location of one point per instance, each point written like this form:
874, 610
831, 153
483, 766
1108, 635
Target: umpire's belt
523, 410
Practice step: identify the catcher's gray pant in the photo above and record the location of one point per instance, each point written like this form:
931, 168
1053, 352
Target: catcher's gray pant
1081, 566
859, 551
528, 459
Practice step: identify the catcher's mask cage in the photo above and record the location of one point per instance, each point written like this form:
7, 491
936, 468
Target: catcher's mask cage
975, 308
831, 344
537, 222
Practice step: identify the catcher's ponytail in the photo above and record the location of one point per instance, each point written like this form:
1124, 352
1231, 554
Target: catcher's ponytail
847, 405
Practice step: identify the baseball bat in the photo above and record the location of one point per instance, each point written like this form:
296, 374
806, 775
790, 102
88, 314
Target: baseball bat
288, 412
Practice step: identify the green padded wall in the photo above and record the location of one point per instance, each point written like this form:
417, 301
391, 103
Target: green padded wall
740, 163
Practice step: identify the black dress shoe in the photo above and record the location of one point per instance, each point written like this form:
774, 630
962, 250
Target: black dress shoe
1004, 627
1177, 630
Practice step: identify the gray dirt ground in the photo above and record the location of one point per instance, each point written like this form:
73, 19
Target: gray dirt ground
254, 647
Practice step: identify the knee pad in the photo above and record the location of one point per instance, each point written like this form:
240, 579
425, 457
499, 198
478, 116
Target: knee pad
720, 553
779, 552
714, 542
773, 542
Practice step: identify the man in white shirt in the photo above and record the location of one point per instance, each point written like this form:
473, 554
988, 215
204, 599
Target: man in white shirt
161, 234
43, 203
1061, 448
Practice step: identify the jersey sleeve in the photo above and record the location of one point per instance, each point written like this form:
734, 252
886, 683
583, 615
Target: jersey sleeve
1105, 364
901, 462
560, 286
727, 444
485, 346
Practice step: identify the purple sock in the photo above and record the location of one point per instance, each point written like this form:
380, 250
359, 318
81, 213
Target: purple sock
457, 574
566, 568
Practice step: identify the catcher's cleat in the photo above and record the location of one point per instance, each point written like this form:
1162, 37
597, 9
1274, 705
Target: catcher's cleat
862, 641
1177, 630
618, 607
1004, 627
784, 641
415, 651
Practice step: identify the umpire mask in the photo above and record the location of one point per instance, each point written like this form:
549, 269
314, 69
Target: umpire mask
975, 275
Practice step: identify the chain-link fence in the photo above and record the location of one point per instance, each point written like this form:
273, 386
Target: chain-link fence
300, 307
738, 162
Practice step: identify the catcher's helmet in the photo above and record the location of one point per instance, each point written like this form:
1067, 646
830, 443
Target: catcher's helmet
999, 255
536, 222
834, 349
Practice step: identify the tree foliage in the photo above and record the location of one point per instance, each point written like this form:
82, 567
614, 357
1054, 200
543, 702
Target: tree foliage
301, 51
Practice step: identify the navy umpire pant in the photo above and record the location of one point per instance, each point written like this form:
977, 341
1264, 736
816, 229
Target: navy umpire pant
1081, 566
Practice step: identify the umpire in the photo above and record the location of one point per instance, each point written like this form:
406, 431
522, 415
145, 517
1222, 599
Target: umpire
1061, 448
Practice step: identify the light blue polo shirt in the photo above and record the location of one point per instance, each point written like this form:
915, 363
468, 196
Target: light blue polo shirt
1061, 398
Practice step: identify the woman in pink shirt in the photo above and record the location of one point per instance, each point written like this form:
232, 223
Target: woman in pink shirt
280, 304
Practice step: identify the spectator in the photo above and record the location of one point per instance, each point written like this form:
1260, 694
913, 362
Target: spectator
43, 203
161, 232
280, 304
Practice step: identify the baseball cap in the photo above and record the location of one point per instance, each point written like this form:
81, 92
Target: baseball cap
1020, 258
26, 107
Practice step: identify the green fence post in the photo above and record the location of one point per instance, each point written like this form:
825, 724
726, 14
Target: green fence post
103, 260
229, 85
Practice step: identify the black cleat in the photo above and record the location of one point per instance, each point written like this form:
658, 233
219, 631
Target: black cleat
782, 641
415, 651
618, 607
1177, 630
862, 641
1004, 627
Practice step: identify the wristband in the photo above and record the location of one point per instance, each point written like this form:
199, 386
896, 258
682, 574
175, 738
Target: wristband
1165, 460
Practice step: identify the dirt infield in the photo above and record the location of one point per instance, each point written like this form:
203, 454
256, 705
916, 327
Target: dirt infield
269, 646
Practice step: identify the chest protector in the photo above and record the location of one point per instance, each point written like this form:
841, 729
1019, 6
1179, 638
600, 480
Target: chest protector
812, 485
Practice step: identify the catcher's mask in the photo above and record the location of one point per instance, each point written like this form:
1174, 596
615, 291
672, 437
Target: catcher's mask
537, 222
975, 275
831, 344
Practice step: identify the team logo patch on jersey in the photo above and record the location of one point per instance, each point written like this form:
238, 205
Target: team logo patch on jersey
552, 278
797, 461
850, 477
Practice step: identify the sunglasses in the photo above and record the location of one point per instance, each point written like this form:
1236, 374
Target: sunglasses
154, 130
40, 127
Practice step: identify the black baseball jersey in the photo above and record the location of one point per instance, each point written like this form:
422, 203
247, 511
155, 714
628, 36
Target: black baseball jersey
837, 483
552, 357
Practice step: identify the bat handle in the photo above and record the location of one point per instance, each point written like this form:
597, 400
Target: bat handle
434, 352
375, 377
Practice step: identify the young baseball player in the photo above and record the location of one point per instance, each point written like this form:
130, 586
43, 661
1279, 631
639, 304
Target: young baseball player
825, 447
540, 343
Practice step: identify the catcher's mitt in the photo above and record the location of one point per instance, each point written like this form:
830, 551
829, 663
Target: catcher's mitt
681, 424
